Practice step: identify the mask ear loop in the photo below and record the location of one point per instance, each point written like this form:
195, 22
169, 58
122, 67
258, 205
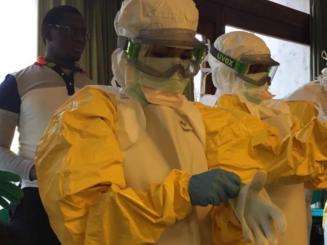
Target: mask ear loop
205, 69
114, 82
115, 85
205, 72
323, 77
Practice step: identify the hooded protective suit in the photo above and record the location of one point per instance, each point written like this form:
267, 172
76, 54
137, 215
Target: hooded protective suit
114, 167
279, 114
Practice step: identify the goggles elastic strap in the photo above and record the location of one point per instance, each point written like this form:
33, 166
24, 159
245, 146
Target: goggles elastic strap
229, 61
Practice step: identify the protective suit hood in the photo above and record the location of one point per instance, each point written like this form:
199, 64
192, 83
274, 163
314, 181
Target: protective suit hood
158, 19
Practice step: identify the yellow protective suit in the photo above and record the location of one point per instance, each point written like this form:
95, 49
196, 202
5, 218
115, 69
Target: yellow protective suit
97, 146
113, 172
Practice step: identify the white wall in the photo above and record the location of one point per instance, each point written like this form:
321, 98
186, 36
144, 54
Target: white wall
301, 5
18, 31
18, 39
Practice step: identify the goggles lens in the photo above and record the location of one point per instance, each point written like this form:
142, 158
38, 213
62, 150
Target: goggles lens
196, 54
188, 67
257, 68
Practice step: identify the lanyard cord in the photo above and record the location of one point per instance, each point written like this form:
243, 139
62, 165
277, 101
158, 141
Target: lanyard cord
69, 79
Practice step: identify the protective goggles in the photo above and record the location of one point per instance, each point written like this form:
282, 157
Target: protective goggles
248, 67
190, 58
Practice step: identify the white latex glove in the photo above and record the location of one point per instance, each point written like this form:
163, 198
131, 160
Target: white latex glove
261, 220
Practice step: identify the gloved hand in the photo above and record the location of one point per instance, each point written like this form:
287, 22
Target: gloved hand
8, 190
213, 187
261, 220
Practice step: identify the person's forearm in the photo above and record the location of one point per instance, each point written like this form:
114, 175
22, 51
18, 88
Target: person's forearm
10, 162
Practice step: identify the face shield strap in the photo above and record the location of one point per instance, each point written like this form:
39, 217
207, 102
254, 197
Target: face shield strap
249, 66
227, 60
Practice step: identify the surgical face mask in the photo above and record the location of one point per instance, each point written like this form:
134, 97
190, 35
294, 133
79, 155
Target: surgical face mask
256, 94
173, 86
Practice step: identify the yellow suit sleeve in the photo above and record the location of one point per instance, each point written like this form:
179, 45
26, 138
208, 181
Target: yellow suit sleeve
82, 185
311, 137
243, 143
238, 142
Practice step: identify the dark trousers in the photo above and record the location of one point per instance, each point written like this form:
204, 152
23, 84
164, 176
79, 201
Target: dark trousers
5, 238
29, 223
